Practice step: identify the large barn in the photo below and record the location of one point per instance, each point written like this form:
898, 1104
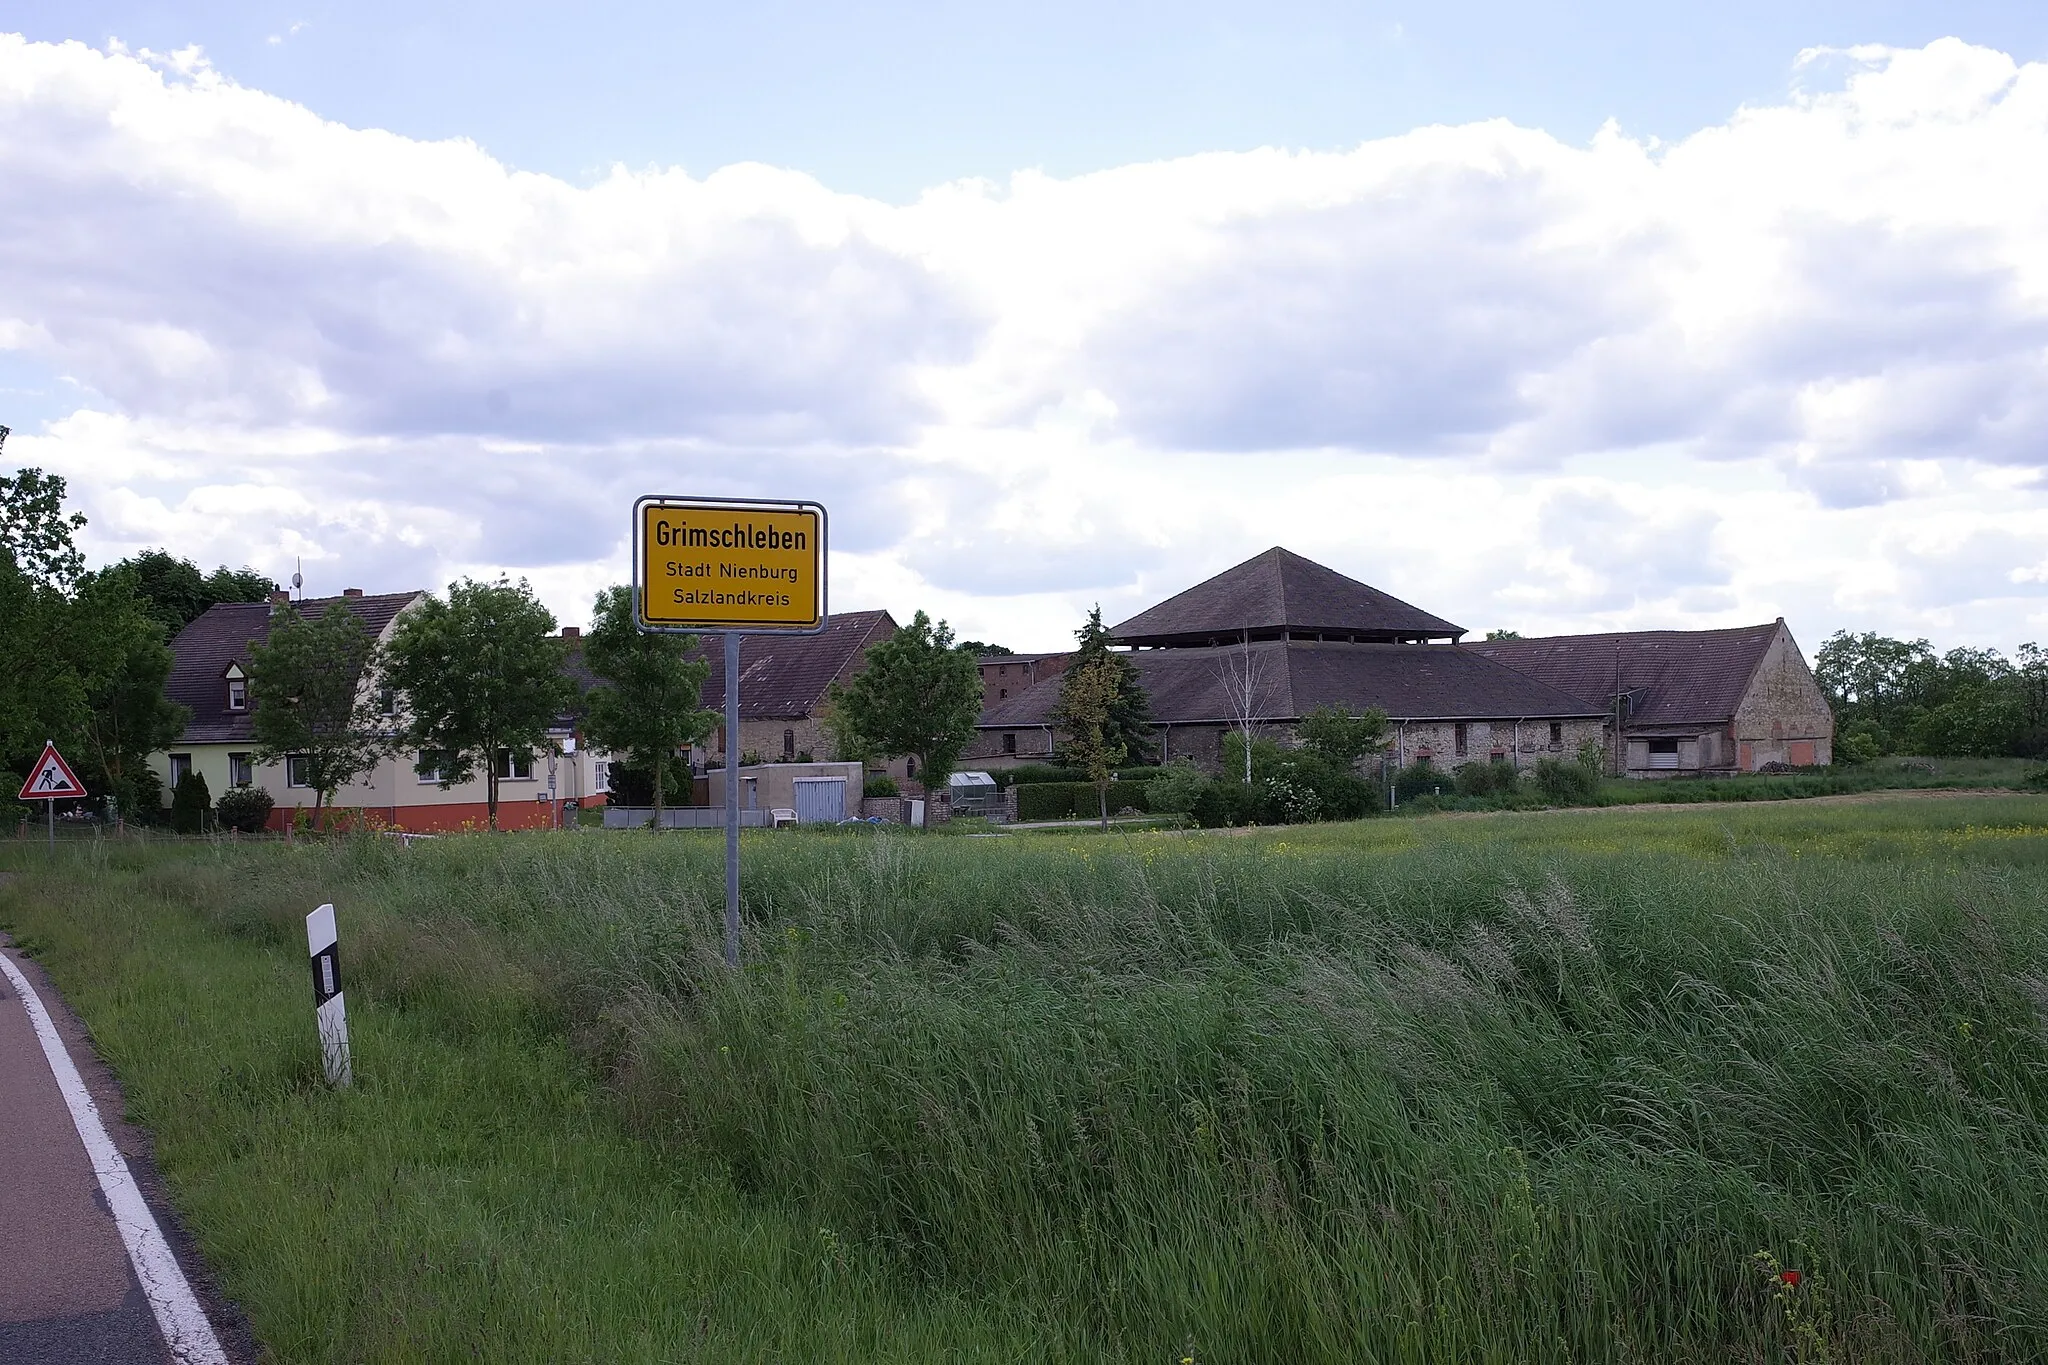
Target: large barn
1689, 701
1260, 645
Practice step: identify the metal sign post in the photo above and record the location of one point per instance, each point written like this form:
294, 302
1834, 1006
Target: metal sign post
51, 780
738, 568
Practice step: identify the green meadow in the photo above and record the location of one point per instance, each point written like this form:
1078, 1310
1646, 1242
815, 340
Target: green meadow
1739, 1082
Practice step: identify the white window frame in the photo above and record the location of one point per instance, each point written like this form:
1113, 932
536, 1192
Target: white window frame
238, 694
247, 769
601, 781
509, 762
429, 777
181, 764
294, 772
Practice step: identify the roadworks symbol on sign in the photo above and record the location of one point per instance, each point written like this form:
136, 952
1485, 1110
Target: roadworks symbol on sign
51, 779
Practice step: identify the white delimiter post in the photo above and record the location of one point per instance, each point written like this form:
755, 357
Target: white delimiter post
732, 798
328, 1008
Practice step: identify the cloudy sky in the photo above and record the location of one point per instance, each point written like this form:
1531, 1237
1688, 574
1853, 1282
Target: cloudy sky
1555, 321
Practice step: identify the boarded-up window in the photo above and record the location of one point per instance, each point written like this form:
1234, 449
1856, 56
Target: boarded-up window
1799, 753
1663, 753
1458, 738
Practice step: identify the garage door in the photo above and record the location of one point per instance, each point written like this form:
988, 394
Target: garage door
820, 800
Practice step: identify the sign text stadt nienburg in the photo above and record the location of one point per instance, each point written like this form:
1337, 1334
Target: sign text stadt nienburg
711, 565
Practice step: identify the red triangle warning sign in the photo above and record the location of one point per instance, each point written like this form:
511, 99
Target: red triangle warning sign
51, 779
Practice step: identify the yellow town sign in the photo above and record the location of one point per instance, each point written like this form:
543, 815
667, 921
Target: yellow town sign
719, 565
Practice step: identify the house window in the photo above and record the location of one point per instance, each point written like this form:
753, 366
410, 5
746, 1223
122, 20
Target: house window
1663, 753
181, 767
910, 767
298, 771
430, 766
387, 701
1002, 692
1009, 744
788, 744
1557, 734
604, 775
238, 694
241, 772
514, 766
1458, 739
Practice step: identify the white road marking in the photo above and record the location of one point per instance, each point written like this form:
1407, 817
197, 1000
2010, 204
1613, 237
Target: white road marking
183, 1322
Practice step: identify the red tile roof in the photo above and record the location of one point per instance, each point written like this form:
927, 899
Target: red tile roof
784, 677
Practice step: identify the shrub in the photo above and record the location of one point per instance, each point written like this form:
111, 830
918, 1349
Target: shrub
1422, 778
1030, 774
1228, 803
1077, 800
1179, 788
1497, 778
880, 784
13, 812
189, 803
244, 808
632, 785
1567, 784
141, 797
1858, 746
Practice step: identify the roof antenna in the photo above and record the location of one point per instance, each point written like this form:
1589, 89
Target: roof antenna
299, 578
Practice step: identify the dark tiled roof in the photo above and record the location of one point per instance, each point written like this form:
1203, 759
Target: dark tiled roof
1280, 591
1410, 682
221, 635
784, 677
1672, 677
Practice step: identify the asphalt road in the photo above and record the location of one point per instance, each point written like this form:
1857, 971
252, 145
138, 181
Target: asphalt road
69, 1290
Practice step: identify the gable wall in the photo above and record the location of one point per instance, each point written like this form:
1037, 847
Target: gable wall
1783, 712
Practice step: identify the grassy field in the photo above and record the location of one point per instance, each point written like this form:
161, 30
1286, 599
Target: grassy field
1555, 1087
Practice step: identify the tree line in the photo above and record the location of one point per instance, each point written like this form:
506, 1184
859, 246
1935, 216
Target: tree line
87, 651
1900, 697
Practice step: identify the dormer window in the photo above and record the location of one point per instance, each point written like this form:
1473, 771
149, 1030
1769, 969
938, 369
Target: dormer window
238, 688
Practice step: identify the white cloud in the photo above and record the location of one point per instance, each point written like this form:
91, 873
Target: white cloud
1794, 363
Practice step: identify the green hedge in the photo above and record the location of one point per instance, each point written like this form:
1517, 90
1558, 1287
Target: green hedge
1038, 774
1076, 800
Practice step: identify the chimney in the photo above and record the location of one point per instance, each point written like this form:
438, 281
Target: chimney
351, 592
280, 598
572, 632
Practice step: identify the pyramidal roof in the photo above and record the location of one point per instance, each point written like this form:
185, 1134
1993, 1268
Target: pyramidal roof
1279, 594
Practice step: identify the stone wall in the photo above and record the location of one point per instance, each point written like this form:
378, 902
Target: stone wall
1784, 716
1522, 743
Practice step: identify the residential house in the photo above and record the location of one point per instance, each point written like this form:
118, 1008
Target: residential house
784, 681
209, 677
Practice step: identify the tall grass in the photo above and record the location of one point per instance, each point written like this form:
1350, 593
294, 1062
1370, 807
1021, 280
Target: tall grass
1523, 1089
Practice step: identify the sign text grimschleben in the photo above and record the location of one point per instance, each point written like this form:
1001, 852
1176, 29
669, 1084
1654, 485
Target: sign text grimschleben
705, 564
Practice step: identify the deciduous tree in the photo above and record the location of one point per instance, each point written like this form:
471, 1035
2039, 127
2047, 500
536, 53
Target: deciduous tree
311, 685
647, 705
1087, 705
481, 678
916, 695
1343, 736
1129, 722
